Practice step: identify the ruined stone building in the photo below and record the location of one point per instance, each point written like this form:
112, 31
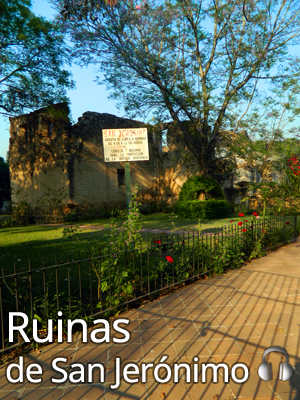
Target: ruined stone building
47, 153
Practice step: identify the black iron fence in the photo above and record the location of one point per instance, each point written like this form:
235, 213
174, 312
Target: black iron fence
114, 279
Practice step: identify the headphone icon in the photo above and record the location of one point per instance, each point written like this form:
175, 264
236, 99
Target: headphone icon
285, 369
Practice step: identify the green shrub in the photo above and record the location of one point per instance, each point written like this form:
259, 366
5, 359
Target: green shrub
152, 207
243, 208
70, 217
21, 215
207, 209
195, 184
118, 212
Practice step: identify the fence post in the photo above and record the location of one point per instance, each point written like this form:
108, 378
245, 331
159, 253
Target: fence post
295, 226
31, 292
16, 295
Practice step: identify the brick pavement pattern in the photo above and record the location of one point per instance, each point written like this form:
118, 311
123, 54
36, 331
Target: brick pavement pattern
229, 318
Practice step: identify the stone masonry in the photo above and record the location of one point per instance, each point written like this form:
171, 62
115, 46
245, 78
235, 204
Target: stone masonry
47, 153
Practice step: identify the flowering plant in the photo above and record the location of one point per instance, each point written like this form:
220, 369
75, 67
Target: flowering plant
294, 165
120, 238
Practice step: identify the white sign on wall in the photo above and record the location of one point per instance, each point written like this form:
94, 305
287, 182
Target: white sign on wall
125, 144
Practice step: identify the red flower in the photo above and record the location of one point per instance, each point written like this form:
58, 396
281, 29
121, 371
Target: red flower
240, 223
287, 222
170, 259
244, 230
241, 214
157, 241
231, 222
255, 213
246, 220
264, 231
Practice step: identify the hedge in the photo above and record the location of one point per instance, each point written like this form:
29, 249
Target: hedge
195, 184
207, 209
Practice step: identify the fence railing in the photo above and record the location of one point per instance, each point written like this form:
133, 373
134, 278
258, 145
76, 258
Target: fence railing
115, 278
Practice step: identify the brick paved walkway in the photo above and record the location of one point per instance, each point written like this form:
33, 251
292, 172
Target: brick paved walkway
229, 318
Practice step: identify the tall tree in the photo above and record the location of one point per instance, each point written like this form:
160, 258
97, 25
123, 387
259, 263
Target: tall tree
194, 60
32, 56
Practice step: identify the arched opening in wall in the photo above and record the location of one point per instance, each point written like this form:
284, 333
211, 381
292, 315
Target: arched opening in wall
121, 177
50, 129
163, 143
164, 138
201, 195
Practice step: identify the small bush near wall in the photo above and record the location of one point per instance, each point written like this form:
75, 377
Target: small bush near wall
242, 208
21, 215
207, 209
197, 184
152, 207
71, 217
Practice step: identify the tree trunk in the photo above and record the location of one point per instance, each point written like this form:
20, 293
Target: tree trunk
203, 158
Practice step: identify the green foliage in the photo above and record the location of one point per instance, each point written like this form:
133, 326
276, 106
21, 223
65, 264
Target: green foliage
258, 246
44, 305
283, 194
71, 217
32, 58
53, 201
117, 212
152, 207
58, 111
227, 257
21, 213
109, 276
124, 276
196, 184
242, 208
166, 82
207, 209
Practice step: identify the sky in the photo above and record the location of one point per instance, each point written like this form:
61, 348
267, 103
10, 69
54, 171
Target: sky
87, 96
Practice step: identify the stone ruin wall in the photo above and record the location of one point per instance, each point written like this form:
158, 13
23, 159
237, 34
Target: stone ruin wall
46, 150
176, 164
40, 149
96, 181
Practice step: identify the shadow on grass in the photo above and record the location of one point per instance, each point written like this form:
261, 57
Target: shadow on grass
47, 247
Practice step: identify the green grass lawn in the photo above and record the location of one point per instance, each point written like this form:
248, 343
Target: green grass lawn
34, 242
